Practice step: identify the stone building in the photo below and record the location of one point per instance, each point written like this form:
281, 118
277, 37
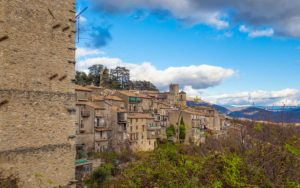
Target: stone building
173, 94
37, 98
141, 128
85, 115
195, 124
82, 93
197, 120
137, 119
114, 118
135, 101
140, 132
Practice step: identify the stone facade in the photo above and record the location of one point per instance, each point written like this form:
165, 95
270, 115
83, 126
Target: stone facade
138, 119
37, 126
140, 129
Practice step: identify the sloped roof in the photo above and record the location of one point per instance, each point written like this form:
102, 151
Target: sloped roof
134, 94
93, 87
81, 88
108, 97
97, 98
112, 97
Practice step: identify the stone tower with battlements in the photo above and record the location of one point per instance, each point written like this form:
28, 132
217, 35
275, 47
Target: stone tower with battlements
37, 120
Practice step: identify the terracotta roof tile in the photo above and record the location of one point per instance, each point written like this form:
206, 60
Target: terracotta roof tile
81, 88
134, 94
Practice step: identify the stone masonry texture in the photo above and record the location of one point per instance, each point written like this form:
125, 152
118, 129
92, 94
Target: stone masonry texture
37, 97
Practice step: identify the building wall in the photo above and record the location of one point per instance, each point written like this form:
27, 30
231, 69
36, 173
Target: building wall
37, 123
138, 134
193, 134
82, 95
85, 127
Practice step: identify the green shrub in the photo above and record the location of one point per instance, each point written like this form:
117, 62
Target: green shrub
100, 176
258, 127
170, 131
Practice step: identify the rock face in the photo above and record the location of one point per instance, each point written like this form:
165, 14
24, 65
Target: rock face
36, 91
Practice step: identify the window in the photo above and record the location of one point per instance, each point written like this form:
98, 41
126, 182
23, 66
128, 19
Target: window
81, 124
136, 127
97, 122
131, 128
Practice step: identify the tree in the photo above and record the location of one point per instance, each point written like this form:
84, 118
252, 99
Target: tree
170, 131
94, 74
143, 85
81, 78
118, 78
122, 75
182, 130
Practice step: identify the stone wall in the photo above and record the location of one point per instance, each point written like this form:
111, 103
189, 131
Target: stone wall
37, 124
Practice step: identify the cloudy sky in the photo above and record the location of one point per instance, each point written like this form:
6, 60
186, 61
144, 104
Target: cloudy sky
233, 52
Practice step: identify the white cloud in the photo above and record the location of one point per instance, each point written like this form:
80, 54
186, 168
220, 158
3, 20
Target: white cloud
84, 52
191, 92
195, 76
82, 19
256, 33
261, 97
183, 10
283, 16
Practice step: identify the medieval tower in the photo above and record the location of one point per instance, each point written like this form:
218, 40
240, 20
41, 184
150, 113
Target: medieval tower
36, 91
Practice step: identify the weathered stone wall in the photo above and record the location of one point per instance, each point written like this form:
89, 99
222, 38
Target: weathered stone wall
37, 121
37, 48
47, 166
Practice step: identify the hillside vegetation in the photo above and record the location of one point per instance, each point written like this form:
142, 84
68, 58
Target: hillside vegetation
252, 155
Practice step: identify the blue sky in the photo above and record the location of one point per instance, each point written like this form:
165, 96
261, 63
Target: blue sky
245, 61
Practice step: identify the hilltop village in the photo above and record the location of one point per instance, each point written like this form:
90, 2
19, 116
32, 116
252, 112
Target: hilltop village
114, 120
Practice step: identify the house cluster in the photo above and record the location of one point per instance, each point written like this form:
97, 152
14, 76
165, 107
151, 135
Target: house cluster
112, 120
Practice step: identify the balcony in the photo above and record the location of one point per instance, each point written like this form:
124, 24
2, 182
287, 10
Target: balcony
85, 113
122, 117
81, 129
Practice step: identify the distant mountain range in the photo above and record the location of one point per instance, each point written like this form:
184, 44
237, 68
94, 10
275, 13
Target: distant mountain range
277, 114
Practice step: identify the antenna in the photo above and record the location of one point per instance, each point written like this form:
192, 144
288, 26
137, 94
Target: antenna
77, 17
